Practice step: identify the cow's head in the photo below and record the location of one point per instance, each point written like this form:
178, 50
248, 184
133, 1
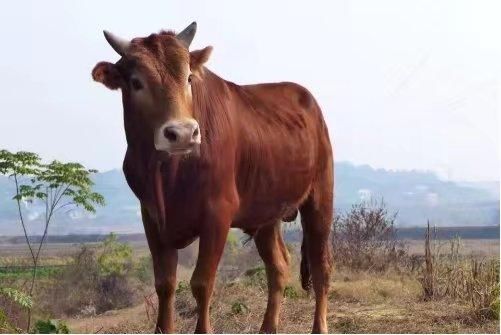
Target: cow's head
155, 75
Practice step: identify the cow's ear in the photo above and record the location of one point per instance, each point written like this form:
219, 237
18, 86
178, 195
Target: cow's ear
107, 74
198, 58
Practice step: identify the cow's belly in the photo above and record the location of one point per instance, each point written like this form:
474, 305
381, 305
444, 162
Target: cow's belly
274, 181
268, 201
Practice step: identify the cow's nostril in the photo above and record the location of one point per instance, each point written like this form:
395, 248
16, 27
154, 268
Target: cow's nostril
195, 132
170, 134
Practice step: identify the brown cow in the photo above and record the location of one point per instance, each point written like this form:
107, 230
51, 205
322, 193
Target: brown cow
205, 154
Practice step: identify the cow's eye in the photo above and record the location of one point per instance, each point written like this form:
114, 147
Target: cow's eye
136, 84
190, 77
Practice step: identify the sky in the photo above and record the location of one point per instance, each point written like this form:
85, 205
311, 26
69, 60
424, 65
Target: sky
402, 84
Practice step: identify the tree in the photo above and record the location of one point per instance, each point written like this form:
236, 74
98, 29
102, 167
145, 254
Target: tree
57, 185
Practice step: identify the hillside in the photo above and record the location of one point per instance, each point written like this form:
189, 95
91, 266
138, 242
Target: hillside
416, 195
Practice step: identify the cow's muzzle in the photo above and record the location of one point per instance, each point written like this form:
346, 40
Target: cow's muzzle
178, 137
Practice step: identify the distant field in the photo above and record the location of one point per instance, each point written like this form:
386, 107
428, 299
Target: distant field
293, 234
477, 248
54, 250
55, 254
473, 233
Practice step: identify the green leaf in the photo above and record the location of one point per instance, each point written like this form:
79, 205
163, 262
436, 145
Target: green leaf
17, 296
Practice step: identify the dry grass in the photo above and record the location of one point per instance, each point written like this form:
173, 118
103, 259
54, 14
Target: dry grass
467, 279
358, 303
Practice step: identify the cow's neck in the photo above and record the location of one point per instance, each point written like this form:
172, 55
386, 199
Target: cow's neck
209, 97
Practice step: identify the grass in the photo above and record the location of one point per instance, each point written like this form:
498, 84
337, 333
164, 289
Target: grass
359, 302
44, 271
373, 289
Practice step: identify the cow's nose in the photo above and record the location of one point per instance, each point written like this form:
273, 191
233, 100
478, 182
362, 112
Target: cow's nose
170, 133
184, 132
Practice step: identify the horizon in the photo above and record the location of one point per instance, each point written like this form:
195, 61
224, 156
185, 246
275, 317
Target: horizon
142, 233
434, 173
421, 97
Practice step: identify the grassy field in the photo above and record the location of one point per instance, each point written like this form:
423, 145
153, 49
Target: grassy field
359, 302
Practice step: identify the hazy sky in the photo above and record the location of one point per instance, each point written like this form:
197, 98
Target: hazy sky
403, 84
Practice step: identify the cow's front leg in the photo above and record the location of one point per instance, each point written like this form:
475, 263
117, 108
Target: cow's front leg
165, 265
211, 246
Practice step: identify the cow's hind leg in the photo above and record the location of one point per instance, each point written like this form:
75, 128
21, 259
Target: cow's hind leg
316, 217
273, 251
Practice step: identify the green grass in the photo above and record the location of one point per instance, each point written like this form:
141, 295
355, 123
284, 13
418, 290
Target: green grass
45, 271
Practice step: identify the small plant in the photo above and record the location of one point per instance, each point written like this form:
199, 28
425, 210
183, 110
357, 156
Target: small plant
256, 277
290, 292
347, 326
19, 298
51, 327
182, 286
494, 306
238, 307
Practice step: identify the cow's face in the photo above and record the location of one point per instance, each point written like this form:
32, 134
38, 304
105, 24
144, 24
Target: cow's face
155, 75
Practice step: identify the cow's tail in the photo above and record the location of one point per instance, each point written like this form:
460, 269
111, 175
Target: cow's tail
305, 270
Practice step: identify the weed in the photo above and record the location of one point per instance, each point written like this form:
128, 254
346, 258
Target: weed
290, 292
347, 326
256, 277
182, 286
238, 307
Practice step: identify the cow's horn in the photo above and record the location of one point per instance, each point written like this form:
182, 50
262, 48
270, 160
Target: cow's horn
186, 36
118, 44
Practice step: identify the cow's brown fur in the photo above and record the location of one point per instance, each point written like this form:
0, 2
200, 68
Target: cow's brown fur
265, 153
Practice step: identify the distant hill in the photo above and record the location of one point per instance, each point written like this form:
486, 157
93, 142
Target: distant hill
417, 196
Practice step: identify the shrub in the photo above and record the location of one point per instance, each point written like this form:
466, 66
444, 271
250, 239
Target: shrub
51, 327
365, 238
96, 280
144, 270
115, 258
